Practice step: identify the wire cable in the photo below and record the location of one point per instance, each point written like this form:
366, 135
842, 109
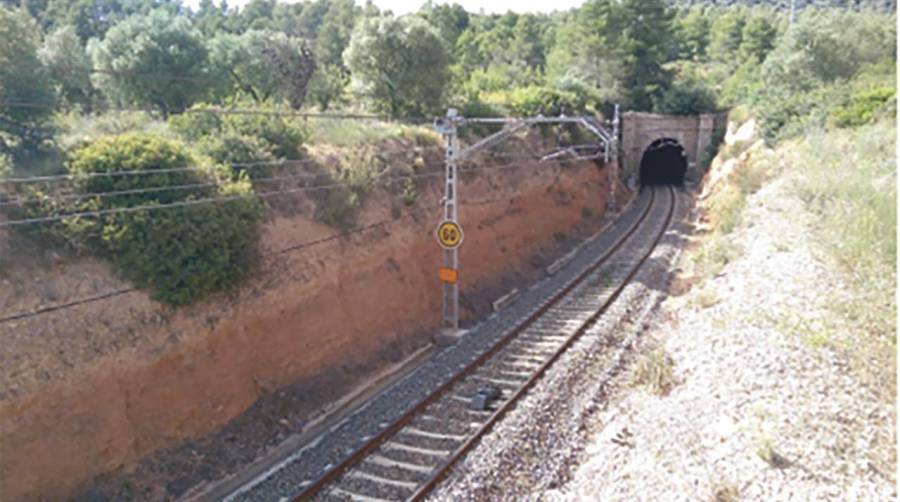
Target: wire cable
207, 200
285, 250
133, 191
257, 164
216, 110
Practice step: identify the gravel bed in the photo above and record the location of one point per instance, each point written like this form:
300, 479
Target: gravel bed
531, 448
457, 414
346, 435
761, 408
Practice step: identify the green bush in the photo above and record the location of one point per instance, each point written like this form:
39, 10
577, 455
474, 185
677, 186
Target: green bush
537, 100
6, 166
195, 123
478, 108
685, 98
281, 135
817, 64
133, 152
864, 107
232, 149
181, 253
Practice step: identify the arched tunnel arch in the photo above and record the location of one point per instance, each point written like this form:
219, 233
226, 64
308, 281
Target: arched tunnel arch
664, 162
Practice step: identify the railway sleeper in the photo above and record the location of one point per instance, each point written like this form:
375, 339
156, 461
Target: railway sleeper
417, 456
532, 351
508, 384
381, 480
392, 471
378, 459
461, 415
434, 443
523, 360
538, 343
419, 450
338, 493
375, 486
433, 435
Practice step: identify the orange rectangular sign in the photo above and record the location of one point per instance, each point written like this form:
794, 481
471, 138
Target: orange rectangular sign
448, 275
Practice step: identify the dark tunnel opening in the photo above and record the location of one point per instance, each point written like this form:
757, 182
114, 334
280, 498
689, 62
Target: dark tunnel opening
664, 163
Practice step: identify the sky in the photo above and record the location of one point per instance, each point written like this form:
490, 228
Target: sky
489, 6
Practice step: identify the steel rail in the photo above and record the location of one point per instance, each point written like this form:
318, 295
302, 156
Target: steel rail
441, 471
398, 424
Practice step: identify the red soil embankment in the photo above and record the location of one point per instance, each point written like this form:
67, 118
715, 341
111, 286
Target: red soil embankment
92, 389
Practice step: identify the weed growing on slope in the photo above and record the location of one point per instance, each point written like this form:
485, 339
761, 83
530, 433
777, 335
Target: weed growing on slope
654, 371
847, 178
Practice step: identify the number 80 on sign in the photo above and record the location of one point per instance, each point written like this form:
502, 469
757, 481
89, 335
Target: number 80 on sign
449, 234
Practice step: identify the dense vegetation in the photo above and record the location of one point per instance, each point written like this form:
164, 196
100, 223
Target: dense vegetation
71, 71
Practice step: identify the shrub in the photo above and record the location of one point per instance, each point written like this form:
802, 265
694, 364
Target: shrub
6, 166
339, 206
478, 108
537, 100
655, 371
274, 135
233, 149
816, 64
133, 152
195, 123
75, 129
864, 107
283, 134
181, 253
217, 245
685, 98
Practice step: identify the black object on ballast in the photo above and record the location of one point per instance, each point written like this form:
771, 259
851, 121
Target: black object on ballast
482, 399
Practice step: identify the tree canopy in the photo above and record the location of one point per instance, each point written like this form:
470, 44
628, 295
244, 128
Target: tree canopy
398, 64
157, 60
26, 95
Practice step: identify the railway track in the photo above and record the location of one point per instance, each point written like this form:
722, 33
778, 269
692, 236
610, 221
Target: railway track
412, 454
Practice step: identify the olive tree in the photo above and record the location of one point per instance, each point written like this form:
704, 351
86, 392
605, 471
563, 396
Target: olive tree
263, 64
26, 96
68, 64
399, 64
157, 60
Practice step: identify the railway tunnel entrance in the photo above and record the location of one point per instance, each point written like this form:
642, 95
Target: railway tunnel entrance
664, 162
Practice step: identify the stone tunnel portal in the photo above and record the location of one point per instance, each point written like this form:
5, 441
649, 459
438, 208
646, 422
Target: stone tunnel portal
664, 163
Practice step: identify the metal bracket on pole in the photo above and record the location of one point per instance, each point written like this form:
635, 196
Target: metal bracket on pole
449, 231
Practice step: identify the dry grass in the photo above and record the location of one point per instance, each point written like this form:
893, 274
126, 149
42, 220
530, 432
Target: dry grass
75, 128
710, 256
724, 211
705, 298
847, 178
724, 491
356, 132
654, 372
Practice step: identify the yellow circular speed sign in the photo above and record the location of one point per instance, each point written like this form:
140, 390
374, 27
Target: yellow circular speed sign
449, 234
